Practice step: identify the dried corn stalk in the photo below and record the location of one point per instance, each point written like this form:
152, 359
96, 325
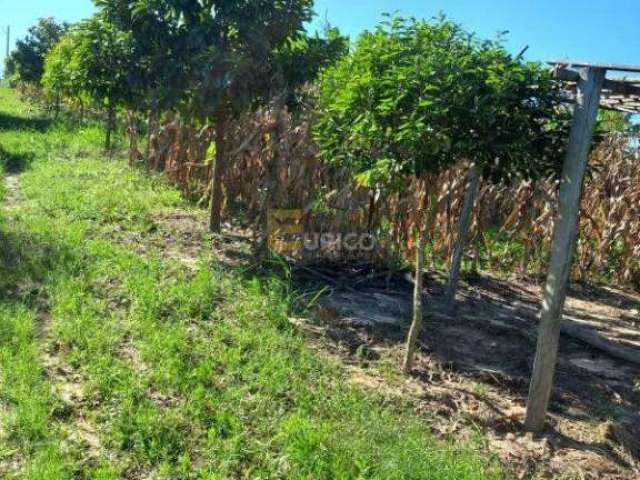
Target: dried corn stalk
274, 165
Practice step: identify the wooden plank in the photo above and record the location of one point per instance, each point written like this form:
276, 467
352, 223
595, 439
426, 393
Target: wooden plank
622, 88
564, 239
597, 66
566, 74
470, 194
626, 106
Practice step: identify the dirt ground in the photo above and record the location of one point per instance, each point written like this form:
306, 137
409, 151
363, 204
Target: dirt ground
475, 362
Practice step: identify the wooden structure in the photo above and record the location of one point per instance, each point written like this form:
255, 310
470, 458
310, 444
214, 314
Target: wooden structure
589, 89
621, 94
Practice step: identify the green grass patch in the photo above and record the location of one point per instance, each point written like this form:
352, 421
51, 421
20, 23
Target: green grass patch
185, 373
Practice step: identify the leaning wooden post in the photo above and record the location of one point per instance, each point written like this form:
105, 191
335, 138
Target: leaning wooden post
564, 239
471, 191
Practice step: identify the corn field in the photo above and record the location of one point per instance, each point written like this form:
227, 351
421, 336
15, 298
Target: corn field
274, 164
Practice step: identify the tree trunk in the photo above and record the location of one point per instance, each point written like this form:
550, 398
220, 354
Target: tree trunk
416, 323
132, 130
152, 124
111, 120
470, 194
57, 107
215, 219
448, 213
564, 240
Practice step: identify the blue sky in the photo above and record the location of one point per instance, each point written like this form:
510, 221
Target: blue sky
599, 31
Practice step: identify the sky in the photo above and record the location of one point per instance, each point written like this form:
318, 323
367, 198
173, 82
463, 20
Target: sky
606, 31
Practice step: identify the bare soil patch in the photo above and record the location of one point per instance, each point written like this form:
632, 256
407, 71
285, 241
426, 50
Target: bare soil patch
13, 195
182, 236
473, 369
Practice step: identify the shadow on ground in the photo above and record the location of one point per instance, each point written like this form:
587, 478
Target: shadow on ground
25, 262
15, 162
475, 362
13, 122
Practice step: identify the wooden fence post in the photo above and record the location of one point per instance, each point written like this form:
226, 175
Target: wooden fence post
470, 194
564, 239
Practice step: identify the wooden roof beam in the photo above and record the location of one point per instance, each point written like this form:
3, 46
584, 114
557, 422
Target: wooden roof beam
618, 86
601, 66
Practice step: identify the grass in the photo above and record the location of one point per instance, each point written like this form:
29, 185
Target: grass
119, 362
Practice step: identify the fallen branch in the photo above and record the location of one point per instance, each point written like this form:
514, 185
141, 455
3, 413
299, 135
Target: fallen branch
596, 340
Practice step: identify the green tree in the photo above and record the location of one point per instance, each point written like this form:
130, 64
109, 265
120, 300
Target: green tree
230, 44
159, 51
516, 129
26, 61
299, 61
103, 67
220, 50
414, 96
394, 109
62, 73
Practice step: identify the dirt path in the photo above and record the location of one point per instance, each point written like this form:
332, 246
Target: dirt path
181, 235
67, 384
13, 196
